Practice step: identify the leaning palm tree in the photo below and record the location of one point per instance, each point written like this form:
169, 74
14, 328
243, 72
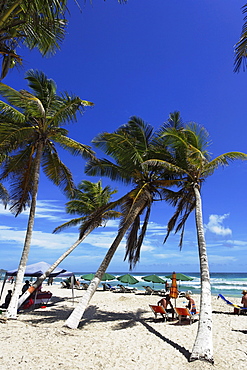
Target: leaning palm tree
30, 125
34, 23
129, 146
91, 202
191, 162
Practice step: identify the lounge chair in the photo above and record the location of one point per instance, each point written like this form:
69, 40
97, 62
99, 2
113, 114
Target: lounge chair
124, 289
111, 288
237, 309
149, 290
185, 313
159, 310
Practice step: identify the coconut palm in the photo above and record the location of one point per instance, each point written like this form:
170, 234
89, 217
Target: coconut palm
30, 126
241, 46
129, 146
34, 23
191, 161
91, 202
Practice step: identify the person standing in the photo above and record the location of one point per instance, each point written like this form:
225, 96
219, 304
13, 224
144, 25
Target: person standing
244, 298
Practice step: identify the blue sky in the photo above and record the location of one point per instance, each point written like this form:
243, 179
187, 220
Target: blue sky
146, 58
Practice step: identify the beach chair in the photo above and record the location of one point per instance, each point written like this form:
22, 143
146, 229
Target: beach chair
111, 288
183, 313
105, 287
236, 309
124, 289
159, 310
149, 290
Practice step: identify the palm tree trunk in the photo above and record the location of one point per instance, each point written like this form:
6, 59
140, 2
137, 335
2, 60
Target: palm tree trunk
11, 312
41, 278
73, 320
203, 346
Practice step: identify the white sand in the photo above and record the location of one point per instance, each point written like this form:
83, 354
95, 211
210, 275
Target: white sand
117, 332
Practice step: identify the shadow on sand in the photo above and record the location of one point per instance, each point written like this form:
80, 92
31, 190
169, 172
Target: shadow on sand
93, 314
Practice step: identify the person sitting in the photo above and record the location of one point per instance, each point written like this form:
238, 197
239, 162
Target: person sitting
191, 305
25, 286
165, 302
7, 299
244, 298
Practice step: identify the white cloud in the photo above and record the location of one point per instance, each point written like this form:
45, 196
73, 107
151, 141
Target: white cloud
219, 259
48, 210
215, 225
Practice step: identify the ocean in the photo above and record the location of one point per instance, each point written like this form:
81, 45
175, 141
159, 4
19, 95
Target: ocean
230, 284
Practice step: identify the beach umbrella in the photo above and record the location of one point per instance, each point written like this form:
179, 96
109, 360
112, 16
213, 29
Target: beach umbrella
154, 279
181, 277
88, 277
174, 289
105, 277
128, 279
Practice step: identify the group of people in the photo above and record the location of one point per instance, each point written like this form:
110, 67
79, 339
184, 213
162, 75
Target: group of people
166, 302
168, 306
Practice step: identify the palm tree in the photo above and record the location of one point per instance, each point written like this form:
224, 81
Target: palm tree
129, 146
241, 45
191, 161
89, 199
28, 134
34, 23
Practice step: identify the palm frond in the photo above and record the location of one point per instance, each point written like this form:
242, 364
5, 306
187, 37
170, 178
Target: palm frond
64, 108
12, 96
20, 170
57, 172
13, 136
10, 114
44, 88
104, 167
241, 46
4, 195
71, 223
74, 147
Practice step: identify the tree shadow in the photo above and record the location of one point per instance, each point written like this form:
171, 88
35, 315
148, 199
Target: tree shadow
240, 331
93, 314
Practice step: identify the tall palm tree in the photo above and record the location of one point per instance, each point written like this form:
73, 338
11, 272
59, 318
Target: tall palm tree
91, 202
191, 161
30, 125
129, 146
33, 23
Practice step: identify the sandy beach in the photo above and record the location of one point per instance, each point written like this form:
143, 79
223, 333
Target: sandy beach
117, 332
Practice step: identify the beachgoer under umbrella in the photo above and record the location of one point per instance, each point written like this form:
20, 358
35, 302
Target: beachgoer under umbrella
25, 286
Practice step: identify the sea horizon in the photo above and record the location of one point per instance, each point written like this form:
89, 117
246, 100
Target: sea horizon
229, 284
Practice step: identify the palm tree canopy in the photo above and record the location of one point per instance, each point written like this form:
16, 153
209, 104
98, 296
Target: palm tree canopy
129, 147
29, 118
91, 202
191, 164
33, 23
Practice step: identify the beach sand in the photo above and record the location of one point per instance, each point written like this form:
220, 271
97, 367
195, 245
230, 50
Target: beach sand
118, 331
